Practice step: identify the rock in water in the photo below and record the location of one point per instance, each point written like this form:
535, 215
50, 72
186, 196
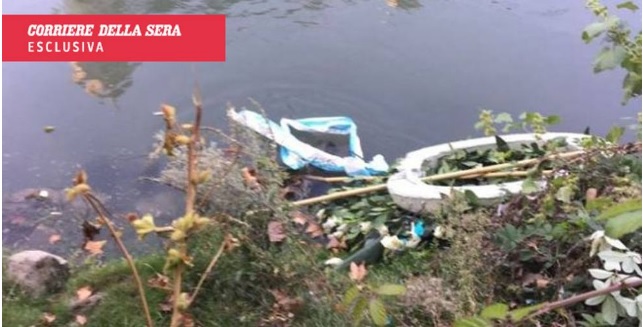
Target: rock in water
38, 272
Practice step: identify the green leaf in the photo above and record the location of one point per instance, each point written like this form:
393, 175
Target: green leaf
495, 311
473, 322
624, 224
552, 120
378, 312
350, 296
564, 194
529, 186
615, 133
621, 208
357, 314
627, 5
609, 58
391, 289
501, 145
593, 30
521, 313
503, 118
609, 310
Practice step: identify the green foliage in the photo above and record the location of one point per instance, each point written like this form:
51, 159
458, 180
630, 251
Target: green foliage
622, 50
533, 122
624, 224
366, 298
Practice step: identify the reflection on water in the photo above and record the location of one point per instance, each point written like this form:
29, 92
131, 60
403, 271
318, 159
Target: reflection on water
103, 79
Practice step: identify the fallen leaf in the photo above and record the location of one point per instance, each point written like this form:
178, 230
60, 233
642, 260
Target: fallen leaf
95, 247
187, 320
250, 178
166, 306
314, 230
276, 232
334, 243
81, 320
299, 218
286, 303
542, 283
48, 318
53, 239
535, 279
358, 272
83, 293
160, 281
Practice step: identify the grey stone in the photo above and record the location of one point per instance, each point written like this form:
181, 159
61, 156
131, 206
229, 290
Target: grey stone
38, 272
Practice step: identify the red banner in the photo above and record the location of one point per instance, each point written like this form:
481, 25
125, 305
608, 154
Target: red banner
113, 38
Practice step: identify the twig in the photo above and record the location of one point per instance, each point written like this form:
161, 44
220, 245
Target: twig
92, 200
208, 270
370, 178
456, 174
190, 198
549, 306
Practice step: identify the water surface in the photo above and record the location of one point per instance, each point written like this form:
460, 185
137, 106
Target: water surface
410, 76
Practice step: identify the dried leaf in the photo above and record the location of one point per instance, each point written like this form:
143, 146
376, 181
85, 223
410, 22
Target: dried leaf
299, 218
80, 177
276, 232
83, 293
358, 272
77, 190
90, 230
53, 239
250, 178
187, 320
81, 320
542, 283
48, 318
160, 281
95, 247
286, 303
314, 230
334, 243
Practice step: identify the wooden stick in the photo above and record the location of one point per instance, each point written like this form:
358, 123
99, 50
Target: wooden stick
456, 174
343, 179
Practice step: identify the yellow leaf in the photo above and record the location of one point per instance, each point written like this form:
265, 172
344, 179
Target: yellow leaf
77, 190
144, 225
178, 235
182, 139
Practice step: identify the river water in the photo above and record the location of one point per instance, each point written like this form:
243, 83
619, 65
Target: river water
411, 73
